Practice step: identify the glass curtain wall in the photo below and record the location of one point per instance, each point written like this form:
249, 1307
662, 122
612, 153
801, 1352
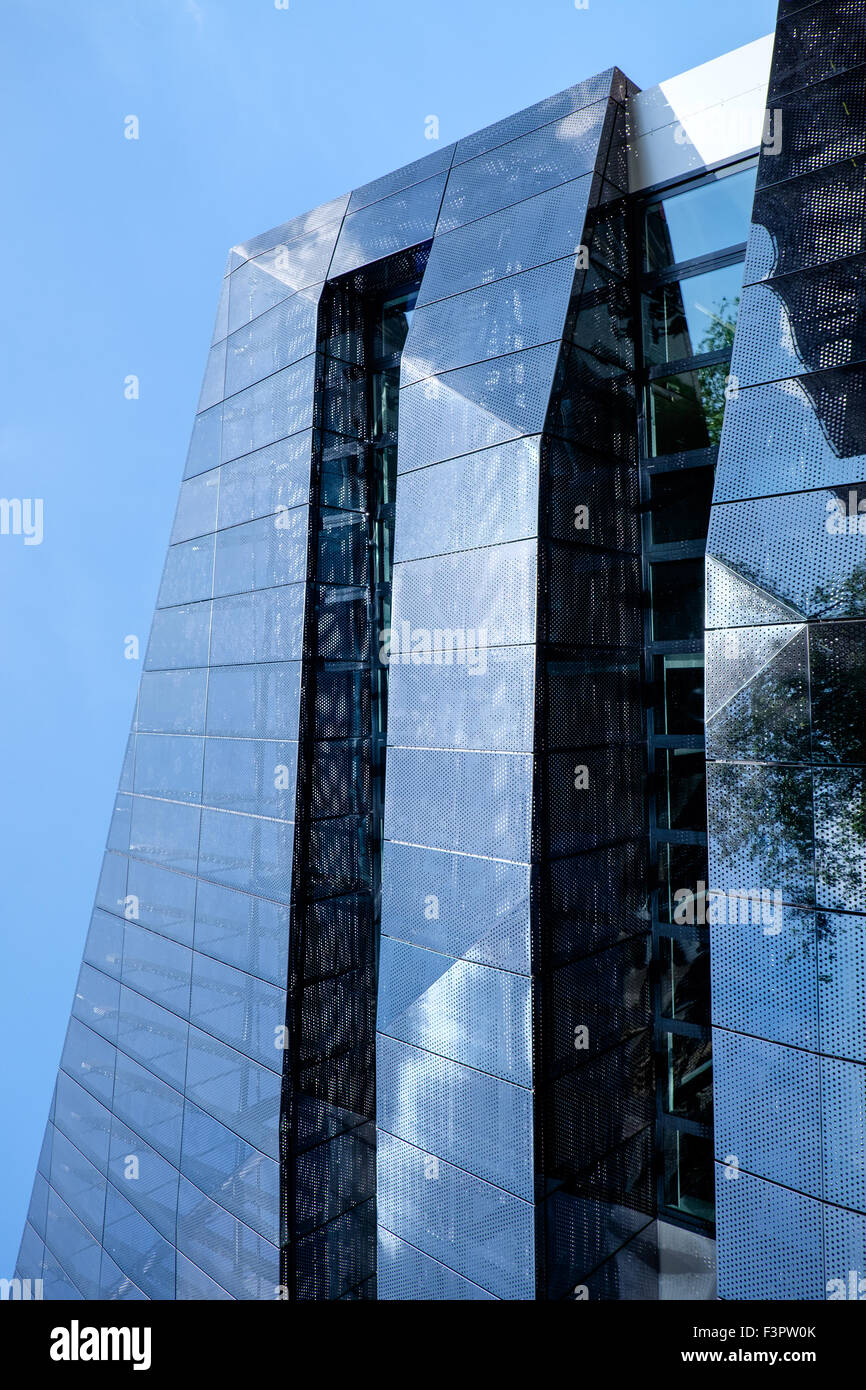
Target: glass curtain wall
693, 246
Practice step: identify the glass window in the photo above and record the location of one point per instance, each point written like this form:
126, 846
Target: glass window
392, 325
682, 789
680, 505
687, 317
385, 392
679, 707
386, 475
685, 978
688, 1174
689, 1089
682, 869
678, 601
700, 220
685, 411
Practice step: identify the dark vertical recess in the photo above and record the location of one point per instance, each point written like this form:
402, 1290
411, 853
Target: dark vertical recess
595, 1090
328, 1101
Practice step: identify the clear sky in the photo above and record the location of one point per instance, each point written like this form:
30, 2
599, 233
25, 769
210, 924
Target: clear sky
113, 251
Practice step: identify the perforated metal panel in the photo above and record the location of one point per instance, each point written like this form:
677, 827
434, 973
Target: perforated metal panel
530, 233
476, 599
392, 224
473, 1228
594, 89
461, 906
786, 549
507, 316
769, 1238
480, 499
404, 1273
829, 201
525, 165
475, 407
803, 322
784, 571
487, 703
457, 1009
437, 162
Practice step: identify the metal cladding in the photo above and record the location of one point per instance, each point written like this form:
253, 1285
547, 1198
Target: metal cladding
503, 790
387, 991
786, 656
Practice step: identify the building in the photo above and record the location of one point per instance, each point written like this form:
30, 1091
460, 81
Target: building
398, 978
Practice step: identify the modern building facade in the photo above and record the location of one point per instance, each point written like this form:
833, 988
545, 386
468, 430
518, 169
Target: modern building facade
398, 981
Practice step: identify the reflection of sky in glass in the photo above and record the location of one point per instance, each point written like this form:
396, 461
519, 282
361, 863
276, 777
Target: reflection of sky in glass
708, 302
707, 218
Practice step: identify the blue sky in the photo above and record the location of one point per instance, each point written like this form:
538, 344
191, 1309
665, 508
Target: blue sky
114, 250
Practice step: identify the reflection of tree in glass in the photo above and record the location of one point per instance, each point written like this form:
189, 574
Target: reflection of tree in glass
717, 337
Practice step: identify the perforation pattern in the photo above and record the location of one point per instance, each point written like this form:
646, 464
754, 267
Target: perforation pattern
265, 482
530, 164
783, 547
837, 657
507, 316
764, 972
531, 233
840, 842
404, 1273
474, 1229
404, 219
259, 284
196, 507
769, 1239
762, 694
607, 994
266, 626
478, 803
484, 598
763, 1090
816, 218
417, 172
473, 909
457, 1009
480, 499
807, 322
554, 108
823, 124
743, 800
815, 43
296, 227
475, 407
268, 411
213, 384
598, 1106
457, 1112
488, 704
274, 340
